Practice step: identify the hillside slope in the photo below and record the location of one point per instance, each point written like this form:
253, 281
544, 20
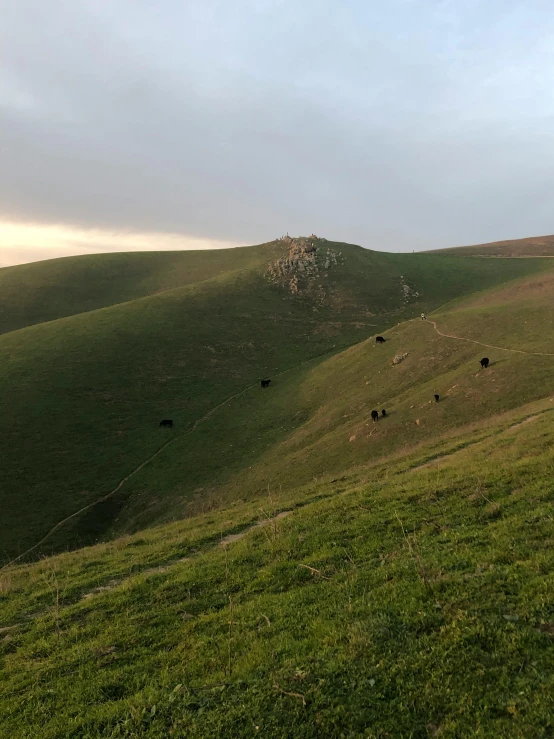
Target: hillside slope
57, 288
316, 419
83, 396
535, 246
405, 600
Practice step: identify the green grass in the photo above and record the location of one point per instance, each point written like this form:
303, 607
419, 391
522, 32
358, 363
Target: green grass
535, 246
427, 611
57, 288
407, 593
82, 395
316, 420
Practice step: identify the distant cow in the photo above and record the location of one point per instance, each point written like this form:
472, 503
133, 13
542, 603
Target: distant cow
265, 383
167, 422
380, 339
374, 416
437, 398
484, 363
383, 412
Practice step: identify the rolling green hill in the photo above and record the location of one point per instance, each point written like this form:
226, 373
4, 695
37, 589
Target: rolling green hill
82, 396
277, 564
534, 246
316, 419
56, 288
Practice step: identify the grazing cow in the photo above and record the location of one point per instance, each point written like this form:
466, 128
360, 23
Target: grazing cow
265, 383
374, 416
380, 339
437, 398
167, 422
383, 412
484, 363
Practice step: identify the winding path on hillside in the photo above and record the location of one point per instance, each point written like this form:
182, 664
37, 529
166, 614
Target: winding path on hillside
208, 415
489, 346
150, 459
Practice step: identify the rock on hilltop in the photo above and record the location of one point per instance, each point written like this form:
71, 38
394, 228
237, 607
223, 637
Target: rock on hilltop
307, 259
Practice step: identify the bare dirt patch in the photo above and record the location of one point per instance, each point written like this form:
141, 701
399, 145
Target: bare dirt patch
230, 538
525, 420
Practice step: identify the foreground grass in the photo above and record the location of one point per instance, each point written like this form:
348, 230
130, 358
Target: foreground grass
402, 603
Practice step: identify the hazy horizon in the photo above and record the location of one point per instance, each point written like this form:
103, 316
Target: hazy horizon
418, 124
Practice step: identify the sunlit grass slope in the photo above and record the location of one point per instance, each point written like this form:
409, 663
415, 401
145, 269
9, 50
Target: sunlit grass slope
399, 600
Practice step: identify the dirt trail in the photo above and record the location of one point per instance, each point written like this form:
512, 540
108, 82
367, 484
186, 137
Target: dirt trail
442, 457
489, 346
225, 541
122, 482
230, 538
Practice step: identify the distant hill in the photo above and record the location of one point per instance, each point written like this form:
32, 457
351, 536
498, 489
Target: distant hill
82, 395
535, 246
57, 288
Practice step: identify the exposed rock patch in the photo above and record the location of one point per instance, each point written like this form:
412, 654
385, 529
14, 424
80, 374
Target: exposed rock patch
408, 293
307, 260
399, 358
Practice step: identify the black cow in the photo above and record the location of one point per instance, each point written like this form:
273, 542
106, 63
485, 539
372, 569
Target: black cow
167, 422
374, 416
484, 363
265, 383
380, 339
383, 412
437, 398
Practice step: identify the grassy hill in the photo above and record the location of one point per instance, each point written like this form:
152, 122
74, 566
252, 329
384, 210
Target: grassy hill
316, 574
405, 599
316, 419
56, 288
534, 246
82, 395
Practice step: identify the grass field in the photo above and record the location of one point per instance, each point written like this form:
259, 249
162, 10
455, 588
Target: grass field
400, 600
284, 567
82, 395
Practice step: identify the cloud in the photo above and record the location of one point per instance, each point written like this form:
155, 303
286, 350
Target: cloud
24, 242
399, 125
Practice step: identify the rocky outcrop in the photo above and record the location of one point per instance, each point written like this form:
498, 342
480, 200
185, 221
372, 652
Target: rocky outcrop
399, 358
306, 260
408, 293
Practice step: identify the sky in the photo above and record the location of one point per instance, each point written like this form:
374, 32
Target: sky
161, 124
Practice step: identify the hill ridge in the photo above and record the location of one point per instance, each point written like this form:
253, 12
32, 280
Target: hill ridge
528, 247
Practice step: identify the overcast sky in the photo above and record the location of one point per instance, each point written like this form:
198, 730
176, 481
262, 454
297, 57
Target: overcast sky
394, 124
